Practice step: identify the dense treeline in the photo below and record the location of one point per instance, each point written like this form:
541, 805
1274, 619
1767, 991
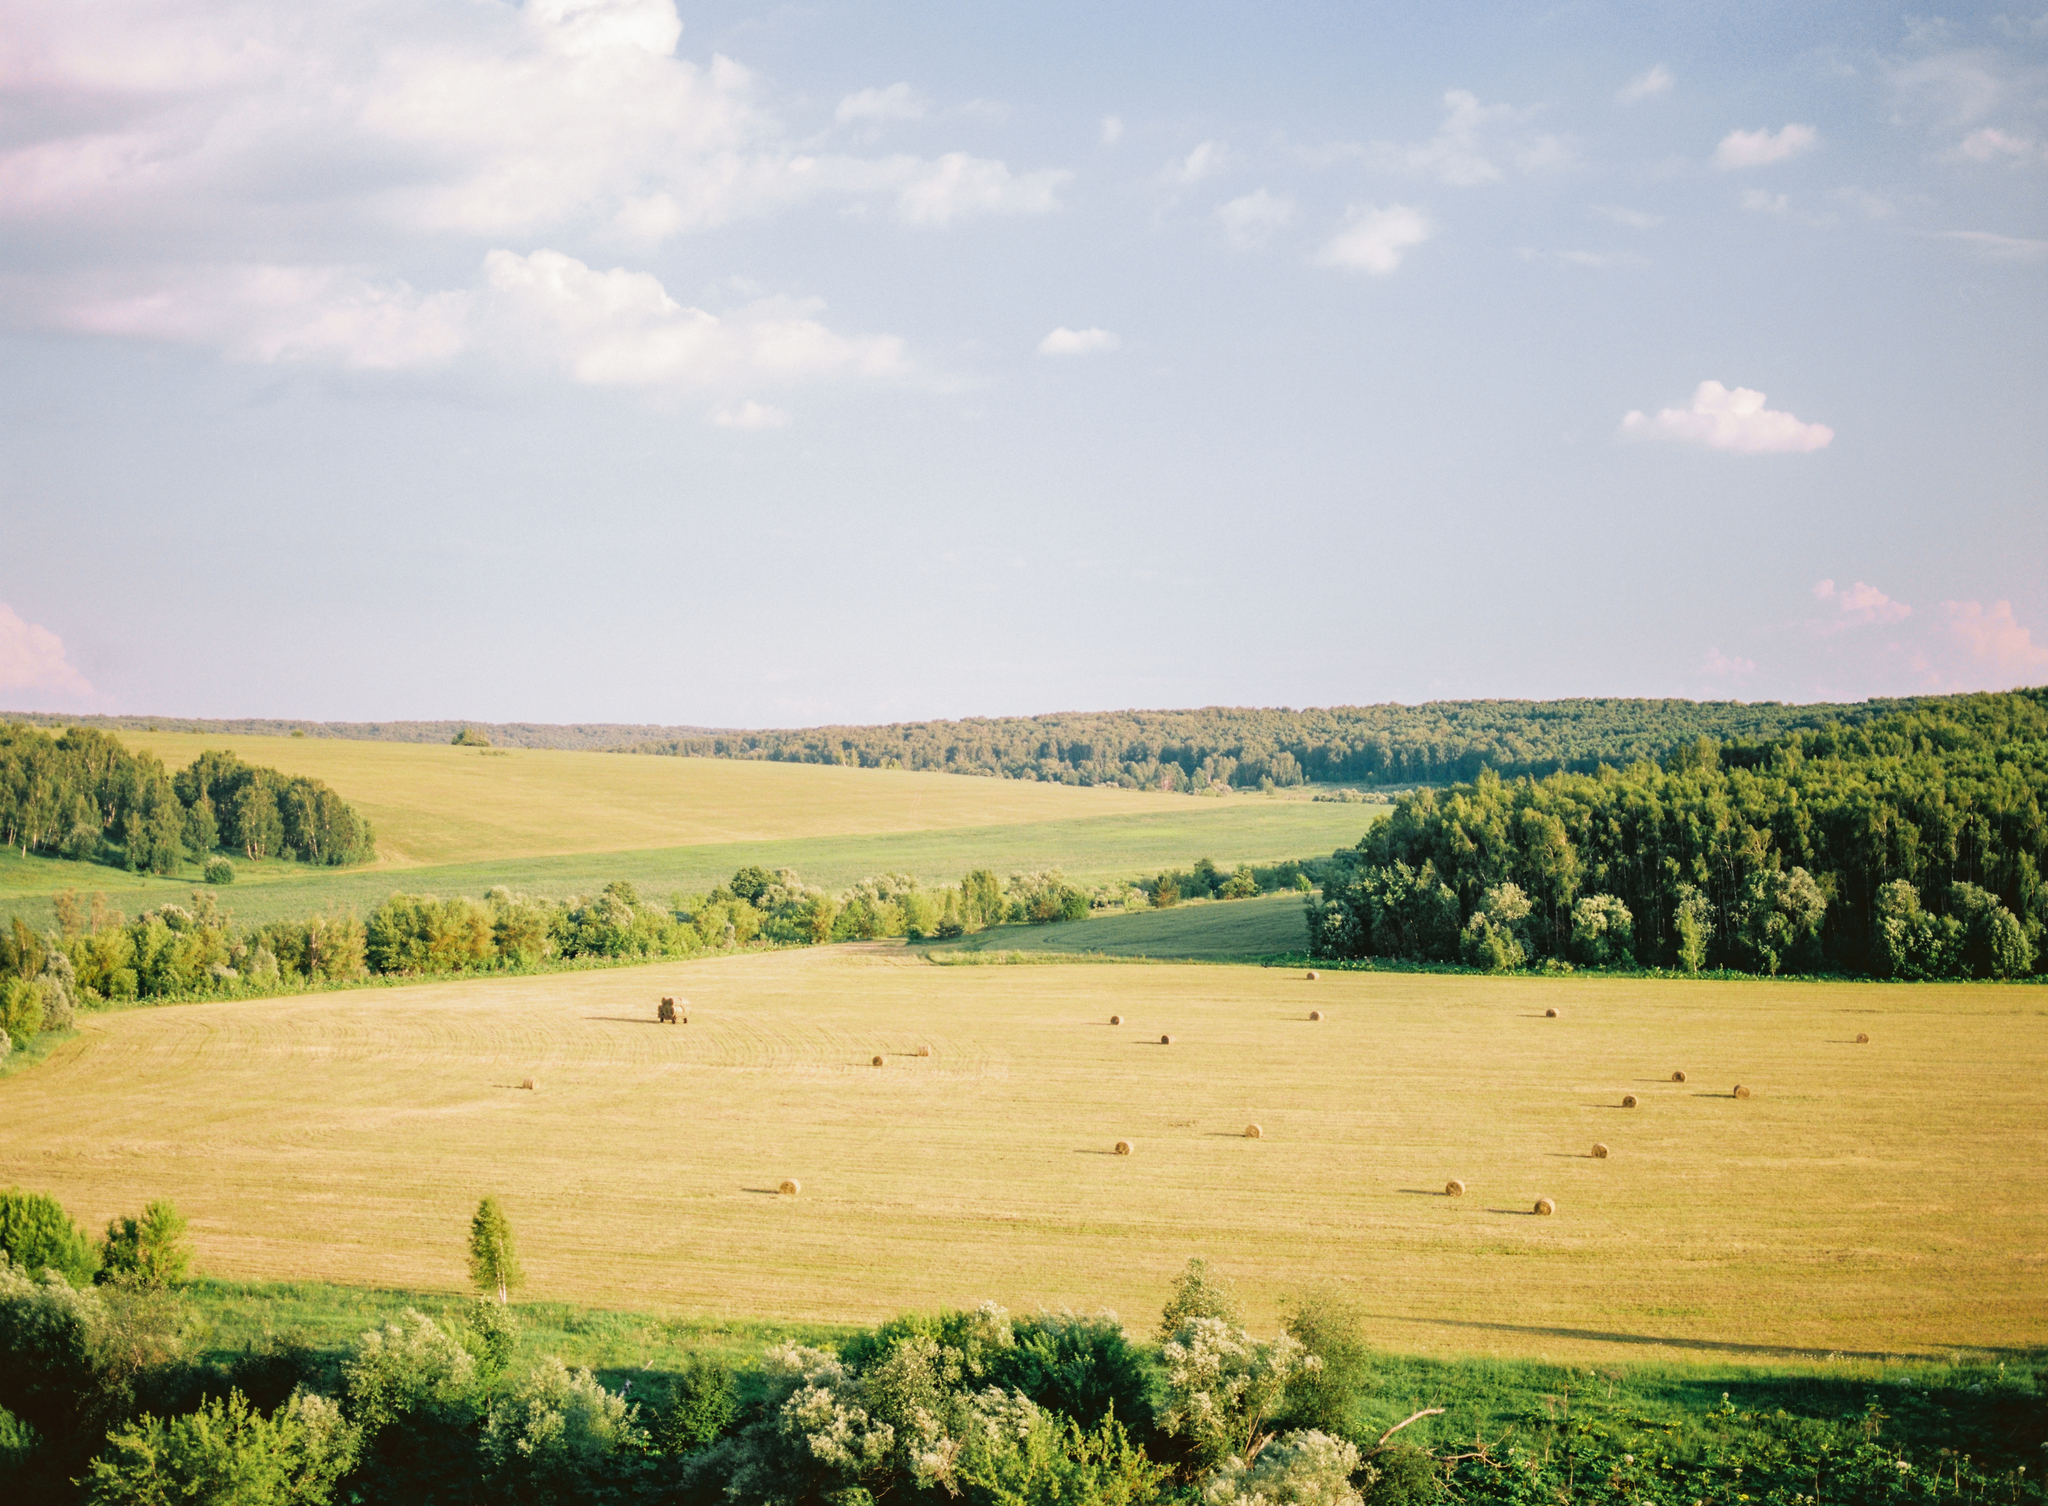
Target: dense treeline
1910, 845
83, 795
1254, 748
107, 1403
97, 956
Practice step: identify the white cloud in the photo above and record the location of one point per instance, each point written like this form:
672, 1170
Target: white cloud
1994, 640
1999, 247
1112, 130
1077, 342
1635, 219
1756, 201
1465, 148
1724, 419
544, 311
1719, 666
33, 663
897, 102
1249, 219
1375, 240
1204, 161
958, 185
1646, 85
1739, 149
750, 415
1993, 145
1860, 605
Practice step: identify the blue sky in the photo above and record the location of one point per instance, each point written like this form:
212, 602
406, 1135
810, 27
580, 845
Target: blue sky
767, 365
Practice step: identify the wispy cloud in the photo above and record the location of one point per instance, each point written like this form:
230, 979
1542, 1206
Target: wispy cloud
750, 415
1740, 149
1077, 342
1205, 161
1473, 143
1999, 247
1634, 219
1251, 219
1376, 240
35, 670
1993, 642
1112, 129
1646, 85
897, 102
1860, 605
1722, 418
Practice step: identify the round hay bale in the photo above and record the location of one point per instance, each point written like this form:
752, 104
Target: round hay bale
878, 1061
1312, 975
1628, 1100
1166, 1040
1123, 1147
1599, 1151
1550, 1014
1545, 1207
1253, 1132
1862, 1039
924, 1051
790, 1187
527, 1084
1678, 1077
1116, 1019
1315, 1014
1454, 1188
1741, 1091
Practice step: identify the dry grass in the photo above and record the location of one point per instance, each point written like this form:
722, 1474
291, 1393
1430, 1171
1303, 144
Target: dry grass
348, 1137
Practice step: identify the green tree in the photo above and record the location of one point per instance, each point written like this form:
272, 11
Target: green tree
493, 1259
37, 1234
227, 1452
1198, 1292
149, 1251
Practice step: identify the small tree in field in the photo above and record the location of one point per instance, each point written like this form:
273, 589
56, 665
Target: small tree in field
149, 1251
493, 1262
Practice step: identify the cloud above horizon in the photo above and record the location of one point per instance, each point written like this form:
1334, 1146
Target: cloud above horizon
1740, 149
1376, 240
1736, 419
1077, 342
33, 663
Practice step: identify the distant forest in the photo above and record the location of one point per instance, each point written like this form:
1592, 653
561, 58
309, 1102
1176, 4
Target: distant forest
1223, 747
84, 795
1909, 844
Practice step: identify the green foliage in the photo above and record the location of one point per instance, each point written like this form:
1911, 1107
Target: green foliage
1404, 1476
1198, 1292
558, 1434
1085, 1368
148, 1252
37, 1234
1326, 1323
219, 870
700, 1404
471, 737
491, 1337
408, 1367
1774, 858
227, 1452
493, 1258
1224, 1388
1296, 1469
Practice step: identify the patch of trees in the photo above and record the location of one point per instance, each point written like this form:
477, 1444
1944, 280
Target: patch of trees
108, 1402
1248, 748
83, 795
1910, 845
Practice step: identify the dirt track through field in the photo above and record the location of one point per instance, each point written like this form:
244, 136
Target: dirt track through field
1891, 1197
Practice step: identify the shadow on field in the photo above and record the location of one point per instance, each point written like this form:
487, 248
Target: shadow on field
770, 1191
1650, 1340
625, 1019
1425, 1191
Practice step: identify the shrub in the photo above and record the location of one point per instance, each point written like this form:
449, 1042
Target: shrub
1403, 1476
410, 1365
37, 1234
49, 1377
493, 1257
1084, 1368
1326, 1324
219, 870
1603, 931
21, 1009
1295, 1469
699, 1406
227, 1451
148, 1252
1224, 1387
1197, 1293
560, 1432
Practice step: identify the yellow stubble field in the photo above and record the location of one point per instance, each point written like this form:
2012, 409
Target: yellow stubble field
1890, 1197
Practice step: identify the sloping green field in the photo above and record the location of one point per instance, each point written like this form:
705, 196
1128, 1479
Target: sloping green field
1881, 1198
459, 820
1272, 925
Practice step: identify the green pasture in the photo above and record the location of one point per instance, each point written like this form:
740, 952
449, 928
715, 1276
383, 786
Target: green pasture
1238, 930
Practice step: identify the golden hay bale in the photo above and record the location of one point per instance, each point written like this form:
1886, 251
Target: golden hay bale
878, 1061
1166, 1040
527, 1084
1454, 1188
924, 1051
1628, 1100
1315, 1014
790, 1187
1312, 975
1678, 1077
1862, 1039
1545, 1207
1741, 1091
1253, 1132
1599, 1151
1123, 1147
1550, 1014
1116, 1019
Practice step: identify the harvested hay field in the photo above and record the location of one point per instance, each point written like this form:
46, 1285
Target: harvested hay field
1860, 1202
